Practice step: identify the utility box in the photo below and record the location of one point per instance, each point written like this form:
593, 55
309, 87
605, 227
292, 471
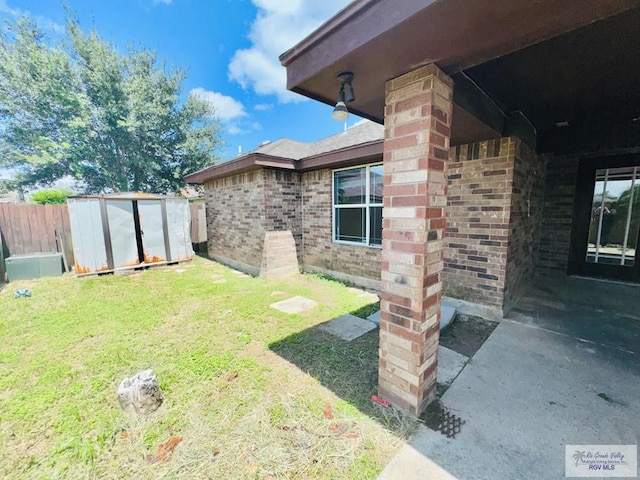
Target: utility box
33, 265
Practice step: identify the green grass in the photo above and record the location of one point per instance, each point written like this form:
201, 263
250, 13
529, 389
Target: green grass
66, 348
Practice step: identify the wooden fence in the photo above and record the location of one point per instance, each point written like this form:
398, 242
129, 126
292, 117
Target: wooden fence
198, 225
3, 272
33, 228
46, 228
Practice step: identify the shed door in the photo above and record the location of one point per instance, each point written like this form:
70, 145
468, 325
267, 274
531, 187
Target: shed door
152, 231
122, 232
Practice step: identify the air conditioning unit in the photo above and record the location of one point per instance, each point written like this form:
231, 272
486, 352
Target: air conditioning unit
33, 265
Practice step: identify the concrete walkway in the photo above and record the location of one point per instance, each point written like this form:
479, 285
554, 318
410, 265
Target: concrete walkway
527, 393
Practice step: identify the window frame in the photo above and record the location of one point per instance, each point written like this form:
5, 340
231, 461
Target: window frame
366, 206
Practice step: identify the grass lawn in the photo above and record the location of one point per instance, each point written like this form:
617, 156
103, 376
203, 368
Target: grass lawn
250, 392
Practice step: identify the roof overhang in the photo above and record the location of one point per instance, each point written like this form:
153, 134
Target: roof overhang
354, 155
487, 46
244, 164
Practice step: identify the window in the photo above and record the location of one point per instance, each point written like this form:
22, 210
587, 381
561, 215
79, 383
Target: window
357, 205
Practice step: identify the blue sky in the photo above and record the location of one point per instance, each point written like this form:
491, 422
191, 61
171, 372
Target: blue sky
230, 49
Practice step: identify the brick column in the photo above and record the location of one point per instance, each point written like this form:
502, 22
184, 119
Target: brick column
417, 130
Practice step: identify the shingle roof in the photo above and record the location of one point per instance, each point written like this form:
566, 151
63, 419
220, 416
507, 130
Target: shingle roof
290, 154
283, 148
364, 132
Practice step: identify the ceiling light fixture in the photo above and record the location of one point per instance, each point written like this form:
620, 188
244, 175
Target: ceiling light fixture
345, 95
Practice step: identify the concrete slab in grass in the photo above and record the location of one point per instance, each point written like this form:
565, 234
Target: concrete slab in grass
295, 304
347, 327
446, 317
375, 317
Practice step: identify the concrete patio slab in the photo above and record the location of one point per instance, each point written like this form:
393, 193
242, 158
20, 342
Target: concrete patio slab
375, 317
597, 311
295, 304
364, 294
347, 327
450, 364
526, 394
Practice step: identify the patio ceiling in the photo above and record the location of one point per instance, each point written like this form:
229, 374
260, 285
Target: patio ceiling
552, 60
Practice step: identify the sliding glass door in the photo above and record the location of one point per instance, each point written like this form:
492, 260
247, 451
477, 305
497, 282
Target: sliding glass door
607, 219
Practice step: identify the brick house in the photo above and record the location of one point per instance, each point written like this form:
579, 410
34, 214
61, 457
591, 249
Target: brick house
287, 186
511, 148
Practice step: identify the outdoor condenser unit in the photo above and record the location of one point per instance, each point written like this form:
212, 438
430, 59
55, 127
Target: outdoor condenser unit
123, 231
33, 265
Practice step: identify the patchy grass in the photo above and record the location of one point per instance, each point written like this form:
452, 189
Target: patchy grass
299, 406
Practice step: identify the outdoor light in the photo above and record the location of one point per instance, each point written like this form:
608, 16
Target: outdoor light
340, 112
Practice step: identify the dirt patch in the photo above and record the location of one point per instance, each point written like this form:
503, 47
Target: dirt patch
467, 334
434, 415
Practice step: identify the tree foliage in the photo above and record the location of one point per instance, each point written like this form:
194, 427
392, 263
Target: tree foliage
51, 196
114, 121
6, 186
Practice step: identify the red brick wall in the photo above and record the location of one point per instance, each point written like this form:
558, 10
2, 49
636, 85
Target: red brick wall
478, 210
494, 211
525, 220
241, 208
282, 201
555, 235
418, 108
494, 191
279, 255
319, 251
235, 219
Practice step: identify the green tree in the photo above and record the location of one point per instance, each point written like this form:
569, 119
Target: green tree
114, 121
6, 186
51, 196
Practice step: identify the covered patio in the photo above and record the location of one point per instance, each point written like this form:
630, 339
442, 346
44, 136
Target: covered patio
500, 120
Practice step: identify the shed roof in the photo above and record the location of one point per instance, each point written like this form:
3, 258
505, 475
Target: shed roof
363, 141
128, 196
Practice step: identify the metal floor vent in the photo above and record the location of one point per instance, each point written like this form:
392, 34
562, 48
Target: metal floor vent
450, 425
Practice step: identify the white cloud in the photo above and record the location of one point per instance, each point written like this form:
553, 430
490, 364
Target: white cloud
234, 129
241, 127
166, 2
278, 26
42, 21
225, 107
4, 8
263, 107
228, 110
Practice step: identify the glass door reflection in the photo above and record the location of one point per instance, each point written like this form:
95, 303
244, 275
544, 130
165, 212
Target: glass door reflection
615, 217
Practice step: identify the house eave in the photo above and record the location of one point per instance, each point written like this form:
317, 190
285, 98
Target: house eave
353, 155
244, 164
345, 157
379, 40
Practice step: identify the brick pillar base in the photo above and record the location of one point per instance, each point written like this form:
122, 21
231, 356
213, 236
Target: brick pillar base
417, 130
279, 258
